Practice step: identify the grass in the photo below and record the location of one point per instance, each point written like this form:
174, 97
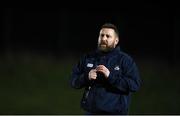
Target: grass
34, 84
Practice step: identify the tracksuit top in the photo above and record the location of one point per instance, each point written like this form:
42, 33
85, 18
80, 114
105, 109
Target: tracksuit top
111, 95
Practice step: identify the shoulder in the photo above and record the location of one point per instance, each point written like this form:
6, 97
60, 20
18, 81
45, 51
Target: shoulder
125, 56
88, 55
126, 59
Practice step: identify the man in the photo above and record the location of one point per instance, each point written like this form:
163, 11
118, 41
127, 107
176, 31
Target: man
108, 75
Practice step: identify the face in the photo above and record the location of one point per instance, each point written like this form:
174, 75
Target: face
107, 39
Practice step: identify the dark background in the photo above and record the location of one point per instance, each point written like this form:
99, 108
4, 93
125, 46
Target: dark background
40, 45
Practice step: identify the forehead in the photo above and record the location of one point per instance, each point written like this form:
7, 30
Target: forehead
107, 31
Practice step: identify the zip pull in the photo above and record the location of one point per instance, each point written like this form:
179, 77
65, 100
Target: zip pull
87, 93
89, 87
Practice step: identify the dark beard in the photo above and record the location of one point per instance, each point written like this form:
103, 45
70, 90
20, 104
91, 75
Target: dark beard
106, 49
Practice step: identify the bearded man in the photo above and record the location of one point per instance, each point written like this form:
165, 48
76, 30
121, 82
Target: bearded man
108, 75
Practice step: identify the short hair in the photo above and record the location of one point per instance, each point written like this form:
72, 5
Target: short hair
112, 26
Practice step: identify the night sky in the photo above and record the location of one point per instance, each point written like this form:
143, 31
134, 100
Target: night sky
146, 29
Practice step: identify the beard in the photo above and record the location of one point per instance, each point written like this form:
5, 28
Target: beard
105, 47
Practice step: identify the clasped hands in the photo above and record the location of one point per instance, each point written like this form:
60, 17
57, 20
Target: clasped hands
100, 68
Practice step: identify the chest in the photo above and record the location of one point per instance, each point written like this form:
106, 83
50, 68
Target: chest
114, 63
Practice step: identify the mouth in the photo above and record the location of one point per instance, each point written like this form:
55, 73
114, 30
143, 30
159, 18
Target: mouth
102, 44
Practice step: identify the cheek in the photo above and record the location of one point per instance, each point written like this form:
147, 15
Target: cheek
99, 40
111, 42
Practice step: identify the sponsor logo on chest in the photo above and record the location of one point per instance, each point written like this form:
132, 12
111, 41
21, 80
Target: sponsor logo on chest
116, 68
90, 65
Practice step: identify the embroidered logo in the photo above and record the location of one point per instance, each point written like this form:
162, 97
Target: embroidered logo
89, 65
116, 68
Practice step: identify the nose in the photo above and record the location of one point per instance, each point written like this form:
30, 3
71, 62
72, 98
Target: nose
103, 38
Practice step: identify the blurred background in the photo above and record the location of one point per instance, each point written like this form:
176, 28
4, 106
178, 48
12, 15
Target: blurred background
40, 45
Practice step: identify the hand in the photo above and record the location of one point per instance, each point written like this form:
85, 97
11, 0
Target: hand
92, 74
104, 70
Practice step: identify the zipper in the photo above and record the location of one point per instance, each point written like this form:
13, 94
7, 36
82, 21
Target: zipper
87, 94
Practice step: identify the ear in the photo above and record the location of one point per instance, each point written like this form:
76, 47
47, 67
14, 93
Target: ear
116, 40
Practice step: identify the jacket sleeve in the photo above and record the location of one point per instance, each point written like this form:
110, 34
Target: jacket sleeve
128, 80
79, 77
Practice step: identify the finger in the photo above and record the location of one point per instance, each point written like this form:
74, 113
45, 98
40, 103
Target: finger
93, 77
99, 68
93, 71
102, 71
101, 65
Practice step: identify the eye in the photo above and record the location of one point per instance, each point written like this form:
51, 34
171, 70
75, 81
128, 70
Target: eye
102, 35
107, 36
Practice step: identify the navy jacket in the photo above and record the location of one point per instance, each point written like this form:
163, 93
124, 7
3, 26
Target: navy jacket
107, 96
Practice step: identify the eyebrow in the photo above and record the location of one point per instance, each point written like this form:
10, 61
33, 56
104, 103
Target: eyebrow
102, 34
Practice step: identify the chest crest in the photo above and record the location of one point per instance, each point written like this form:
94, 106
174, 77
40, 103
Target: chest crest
90, 65
116, 68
